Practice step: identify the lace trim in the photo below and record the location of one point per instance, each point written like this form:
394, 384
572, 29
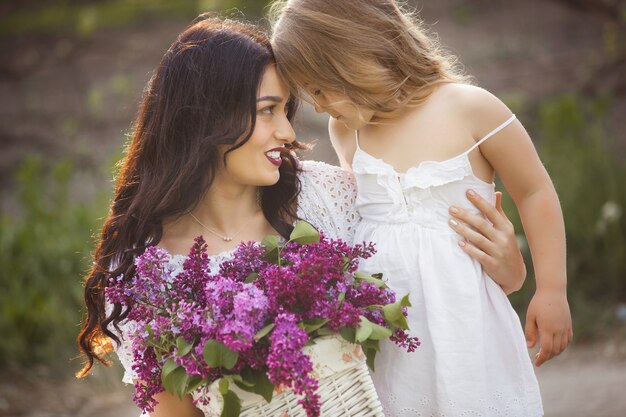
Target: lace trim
498, 404
327, 199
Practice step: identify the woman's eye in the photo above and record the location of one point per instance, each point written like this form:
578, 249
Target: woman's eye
317, 92
267, 110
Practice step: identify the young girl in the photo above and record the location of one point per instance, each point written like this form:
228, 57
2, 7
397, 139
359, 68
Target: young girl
417, 136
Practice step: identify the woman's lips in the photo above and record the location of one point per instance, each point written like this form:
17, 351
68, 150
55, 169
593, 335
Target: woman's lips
274, 157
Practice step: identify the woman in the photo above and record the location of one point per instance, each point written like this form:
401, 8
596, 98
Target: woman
211, 155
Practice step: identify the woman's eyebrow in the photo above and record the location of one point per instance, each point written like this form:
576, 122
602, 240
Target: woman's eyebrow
275, 99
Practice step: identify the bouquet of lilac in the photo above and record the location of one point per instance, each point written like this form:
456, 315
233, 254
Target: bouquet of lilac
247, 323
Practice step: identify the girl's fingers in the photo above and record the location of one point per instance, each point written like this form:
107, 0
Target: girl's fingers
564, 341
545, 349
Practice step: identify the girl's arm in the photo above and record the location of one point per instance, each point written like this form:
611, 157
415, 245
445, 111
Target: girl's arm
514, 158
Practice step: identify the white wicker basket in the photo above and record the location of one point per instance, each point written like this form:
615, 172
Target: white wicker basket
345, 387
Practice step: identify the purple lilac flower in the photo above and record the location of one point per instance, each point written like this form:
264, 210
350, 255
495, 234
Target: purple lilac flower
288, 365
311, 281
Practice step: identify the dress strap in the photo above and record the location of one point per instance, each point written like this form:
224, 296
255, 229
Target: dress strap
493, 132
356, 137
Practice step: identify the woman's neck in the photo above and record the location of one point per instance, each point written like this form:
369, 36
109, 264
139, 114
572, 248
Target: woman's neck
226, 207
227, 211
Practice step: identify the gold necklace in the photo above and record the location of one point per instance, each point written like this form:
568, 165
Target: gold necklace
224, 238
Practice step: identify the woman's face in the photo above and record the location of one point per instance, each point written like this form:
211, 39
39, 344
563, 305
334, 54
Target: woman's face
257, 161
341, 108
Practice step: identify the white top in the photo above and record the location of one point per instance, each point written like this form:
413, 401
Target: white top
473, 360
326, 201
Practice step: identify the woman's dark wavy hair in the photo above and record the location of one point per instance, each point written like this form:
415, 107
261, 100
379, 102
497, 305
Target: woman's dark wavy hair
202, 95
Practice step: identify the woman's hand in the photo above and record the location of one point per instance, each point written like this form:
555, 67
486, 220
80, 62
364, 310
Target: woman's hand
492, 244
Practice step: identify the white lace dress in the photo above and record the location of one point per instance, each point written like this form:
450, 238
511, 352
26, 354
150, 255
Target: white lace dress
326, 201
473, 359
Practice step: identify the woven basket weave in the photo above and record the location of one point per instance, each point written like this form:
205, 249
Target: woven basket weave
345, 387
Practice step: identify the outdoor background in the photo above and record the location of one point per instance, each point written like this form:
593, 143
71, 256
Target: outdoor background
71, 76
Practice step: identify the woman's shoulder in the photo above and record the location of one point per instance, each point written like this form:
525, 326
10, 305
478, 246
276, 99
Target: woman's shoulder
321, 171
327, 198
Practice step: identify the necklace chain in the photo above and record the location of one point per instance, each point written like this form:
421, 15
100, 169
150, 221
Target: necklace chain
224, 238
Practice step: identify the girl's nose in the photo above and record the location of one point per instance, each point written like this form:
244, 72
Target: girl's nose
319, 108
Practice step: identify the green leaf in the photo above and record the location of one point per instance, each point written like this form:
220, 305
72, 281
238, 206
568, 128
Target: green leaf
370, 354
303, 232
314, 324
264, 331
217, 354
261, 384
194, 382
324, 331
183, 346
223, 385
405, 302
180, 380
272, 253
371, 344
364, 330
348, 333
392, 312
370, 278
341, 297
232, 405
379, 332
251, 278
168, 367
175, 380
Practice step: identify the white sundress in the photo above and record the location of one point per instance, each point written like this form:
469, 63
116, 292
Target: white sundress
326, 201
473, 359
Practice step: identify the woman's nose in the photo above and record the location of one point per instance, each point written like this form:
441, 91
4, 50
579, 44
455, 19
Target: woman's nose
318, 108
285, 132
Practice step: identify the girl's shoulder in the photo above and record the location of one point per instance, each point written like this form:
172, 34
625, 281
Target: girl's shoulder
480, 109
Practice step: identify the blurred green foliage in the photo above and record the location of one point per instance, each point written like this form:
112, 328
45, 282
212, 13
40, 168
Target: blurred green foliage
85, 17
44, 252
589, 177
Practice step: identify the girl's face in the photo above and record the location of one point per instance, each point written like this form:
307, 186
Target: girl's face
341, 108
257, 161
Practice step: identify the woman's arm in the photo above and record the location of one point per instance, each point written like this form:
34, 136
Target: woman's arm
492, 243
170, 405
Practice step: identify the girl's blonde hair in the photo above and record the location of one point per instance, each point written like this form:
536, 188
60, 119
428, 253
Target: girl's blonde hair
374, 52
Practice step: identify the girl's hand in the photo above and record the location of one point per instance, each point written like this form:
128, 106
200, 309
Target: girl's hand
493, 244
549, 315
